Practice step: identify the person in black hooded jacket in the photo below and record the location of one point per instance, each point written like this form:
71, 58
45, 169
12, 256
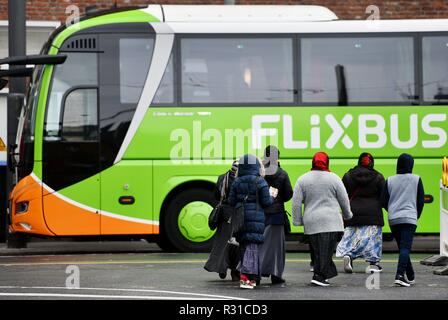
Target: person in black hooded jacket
363, 233
403, 198
272, 252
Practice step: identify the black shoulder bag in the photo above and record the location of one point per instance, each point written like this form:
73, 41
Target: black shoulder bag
215, 216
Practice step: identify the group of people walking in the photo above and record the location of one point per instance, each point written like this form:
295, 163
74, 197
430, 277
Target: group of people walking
262, 187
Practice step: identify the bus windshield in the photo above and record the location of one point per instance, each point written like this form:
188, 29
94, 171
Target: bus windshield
25, 134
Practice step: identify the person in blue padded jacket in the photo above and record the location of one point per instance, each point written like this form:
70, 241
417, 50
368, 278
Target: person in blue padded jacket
250, 183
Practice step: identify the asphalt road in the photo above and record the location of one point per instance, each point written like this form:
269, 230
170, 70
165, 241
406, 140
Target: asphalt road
171, 276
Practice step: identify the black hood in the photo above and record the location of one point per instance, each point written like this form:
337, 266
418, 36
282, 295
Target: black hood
405, 163
362, 176
248, 165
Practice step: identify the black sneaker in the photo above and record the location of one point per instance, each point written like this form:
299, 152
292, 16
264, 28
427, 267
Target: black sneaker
401, 281
411, 280
320, 283
277, 280
222, 275
374, 268
235, 275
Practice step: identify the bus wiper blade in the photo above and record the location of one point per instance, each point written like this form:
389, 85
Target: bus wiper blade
35, 59
17, 73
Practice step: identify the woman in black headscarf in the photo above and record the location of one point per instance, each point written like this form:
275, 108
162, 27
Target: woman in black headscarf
224, 255
363, 233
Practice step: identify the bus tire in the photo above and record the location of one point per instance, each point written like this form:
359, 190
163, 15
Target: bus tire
174, 216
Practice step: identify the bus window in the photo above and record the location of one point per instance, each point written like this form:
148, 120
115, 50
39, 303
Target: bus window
134, 59
80, 69
80, 116
377, 69
165, 92
435, 69
240, 70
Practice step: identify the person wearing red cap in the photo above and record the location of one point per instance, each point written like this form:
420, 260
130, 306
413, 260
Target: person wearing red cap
323, 195
363, 235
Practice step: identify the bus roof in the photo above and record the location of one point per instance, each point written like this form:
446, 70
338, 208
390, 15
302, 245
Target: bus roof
277, 19
323, 27
244, 13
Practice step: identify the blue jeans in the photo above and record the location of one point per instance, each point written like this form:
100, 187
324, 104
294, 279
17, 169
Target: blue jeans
404, 235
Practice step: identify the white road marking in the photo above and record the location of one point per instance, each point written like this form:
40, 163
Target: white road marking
198, 295
96, 296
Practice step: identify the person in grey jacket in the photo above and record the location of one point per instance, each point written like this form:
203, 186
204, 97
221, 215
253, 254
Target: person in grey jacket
323, 195
403, 198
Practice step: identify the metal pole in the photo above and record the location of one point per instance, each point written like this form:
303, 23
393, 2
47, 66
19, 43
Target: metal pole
17, 47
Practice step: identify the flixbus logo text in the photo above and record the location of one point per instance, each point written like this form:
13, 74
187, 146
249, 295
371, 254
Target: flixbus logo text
366, 131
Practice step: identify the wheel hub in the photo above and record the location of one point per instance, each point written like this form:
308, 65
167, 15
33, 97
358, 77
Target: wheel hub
193, 221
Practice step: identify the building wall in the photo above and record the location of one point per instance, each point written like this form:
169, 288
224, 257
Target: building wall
348, 9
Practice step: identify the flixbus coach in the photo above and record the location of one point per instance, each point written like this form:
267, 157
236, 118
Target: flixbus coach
129, 134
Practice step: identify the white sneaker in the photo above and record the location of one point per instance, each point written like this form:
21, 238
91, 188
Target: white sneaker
348, 267
246, 284
401, 281
233, 241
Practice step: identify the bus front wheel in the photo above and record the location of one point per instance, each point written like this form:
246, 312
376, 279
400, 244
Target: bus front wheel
185, 224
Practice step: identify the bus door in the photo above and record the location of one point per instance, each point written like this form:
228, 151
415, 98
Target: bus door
71, 144
126, 184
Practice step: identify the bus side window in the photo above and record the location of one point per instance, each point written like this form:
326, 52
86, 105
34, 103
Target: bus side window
435, 69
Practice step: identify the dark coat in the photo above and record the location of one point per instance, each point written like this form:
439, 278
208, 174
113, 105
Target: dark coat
279, 180
249, 183
227, 208
364, 187
223, 256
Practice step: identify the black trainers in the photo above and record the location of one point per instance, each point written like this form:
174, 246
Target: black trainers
320, 283
222, 275
374, 268
411, 280
401, 281
235, 275
277, 280
348, 264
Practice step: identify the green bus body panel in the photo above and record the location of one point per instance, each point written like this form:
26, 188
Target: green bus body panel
205, 129
128, 178
179, 127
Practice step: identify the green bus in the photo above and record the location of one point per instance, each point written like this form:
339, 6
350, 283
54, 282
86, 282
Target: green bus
128, 135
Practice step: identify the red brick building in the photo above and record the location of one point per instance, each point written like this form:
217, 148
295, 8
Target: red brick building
51, 10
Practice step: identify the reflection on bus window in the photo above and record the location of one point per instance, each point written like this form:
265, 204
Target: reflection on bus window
135, 56
435, 69
243, 70
377, 69
165, 92
80, 120
78, 69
